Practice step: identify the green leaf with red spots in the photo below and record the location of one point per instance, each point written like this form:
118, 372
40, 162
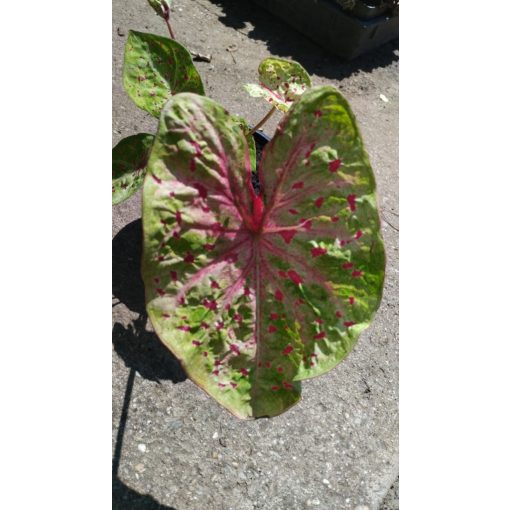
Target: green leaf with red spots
155, 68
129, 165
281, 82
254, 293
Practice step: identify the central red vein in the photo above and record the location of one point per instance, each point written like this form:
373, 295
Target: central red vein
257, 307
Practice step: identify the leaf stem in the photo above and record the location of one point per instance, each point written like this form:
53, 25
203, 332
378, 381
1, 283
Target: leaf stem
263, 121
167, 21
166, 17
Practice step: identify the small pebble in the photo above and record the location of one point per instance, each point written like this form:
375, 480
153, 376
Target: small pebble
175, 424
325, 482
215, 435
384, 98
142, 447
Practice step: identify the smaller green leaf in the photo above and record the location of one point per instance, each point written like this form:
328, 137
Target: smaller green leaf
156, 68
162, 7
129, 165
281, 82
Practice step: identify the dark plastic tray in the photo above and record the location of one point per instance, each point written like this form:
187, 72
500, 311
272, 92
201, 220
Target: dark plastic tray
327, 24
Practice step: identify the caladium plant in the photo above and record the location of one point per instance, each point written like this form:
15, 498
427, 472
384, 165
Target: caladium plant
255, 292
254, 289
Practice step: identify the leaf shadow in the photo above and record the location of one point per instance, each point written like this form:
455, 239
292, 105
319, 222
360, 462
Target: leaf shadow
127, 284
139, 348
284, 41
125, 498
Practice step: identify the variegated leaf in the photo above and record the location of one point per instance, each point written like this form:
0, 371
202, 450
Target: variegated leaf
281, 82
129, 164
254, 293
156, 68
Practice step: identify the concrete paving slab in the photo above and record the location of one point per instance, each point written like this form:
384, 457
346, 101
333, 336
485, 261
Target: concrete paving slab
174, 447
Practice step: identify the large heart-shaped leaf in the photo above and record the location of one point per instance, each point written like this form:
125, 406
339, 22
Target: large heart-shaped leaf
155, 68
129, 164
281, 82
254, 293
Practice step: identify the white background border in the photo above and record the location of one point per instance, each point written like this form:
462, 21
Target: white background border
454, 231
56, 255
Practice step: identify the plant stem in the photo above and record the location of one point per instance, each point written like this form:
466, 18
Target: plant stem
167, 21
263, 121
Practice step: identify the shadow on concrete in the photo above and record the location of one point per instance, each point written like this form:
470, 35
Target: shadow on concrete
142, 350
127, 284
139, 348
124, 498
282, 40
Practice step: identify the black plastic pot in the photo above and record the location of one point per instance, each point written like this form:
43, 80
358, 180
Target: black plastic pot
364, 11
261, 139
327, 24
